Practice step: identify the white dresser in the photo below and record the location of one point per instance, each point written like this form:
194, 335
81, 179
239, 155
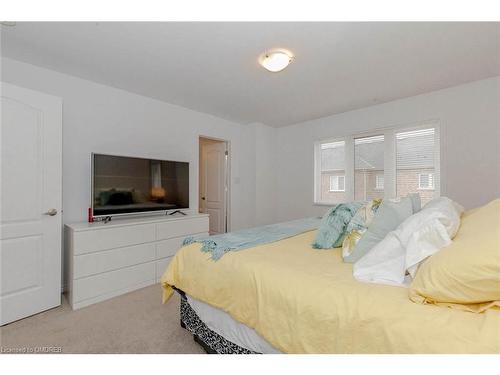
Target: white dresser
106, 260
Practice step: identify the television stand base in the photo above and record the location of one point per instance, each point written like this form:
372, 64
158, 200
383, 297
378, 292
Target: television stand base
176, 211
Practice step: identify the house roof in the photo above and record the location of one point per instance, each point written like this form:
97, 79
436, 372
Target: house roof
414, 150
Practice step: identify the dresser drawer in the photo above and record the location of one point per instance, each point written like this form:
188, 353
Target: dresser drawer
109, 282
108, 260
168, 248
109, 238
180, 228
103, 261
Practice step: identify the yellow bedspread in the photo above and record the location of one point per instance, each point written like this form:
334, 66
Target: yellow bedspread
303, 300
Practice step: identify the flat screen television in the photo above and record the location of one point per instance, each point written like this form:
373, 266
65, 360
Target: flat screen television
129, 185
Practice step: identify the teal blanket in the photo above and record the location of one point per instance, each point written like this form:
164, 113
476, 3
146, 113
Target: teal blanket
220, 244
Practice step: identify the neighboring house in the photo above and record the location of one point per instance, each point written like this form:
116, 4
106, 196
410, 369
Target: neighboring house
414, 169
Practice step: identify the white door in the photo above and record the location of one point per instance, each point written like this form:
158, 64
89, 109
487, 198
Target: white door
30, 199
213, 185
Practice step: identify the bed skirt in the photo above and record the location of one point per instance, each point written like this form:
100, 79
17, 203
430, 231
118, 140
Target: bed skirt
211, 341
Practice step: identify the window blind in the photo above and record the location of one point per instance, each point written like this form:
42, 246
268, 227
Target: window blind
332, 168
416, 163
387, 163
368, 164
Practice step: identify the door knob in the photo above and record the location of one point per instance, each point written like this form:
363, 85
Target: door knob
51, 212
203, 198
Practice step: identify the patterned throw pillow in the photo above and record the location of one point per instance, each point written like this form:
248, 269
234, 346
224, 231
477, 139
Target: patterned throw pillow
358, 226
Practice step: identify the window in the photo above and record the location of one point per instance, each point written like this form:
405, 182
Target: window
337, 183
387, 163
426, 181
331, 167
417, 162
368, 163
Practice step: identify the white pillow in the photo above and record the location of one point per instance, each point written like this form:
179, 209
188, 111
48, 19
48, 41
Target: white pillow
418, 237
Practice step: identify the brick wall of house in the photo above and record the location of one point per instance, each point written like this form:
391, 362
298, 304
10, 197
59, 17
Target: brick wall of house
407, 182
364, 185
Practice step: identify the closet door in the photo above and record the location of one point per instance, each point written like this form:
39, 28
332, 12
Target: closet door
31, 202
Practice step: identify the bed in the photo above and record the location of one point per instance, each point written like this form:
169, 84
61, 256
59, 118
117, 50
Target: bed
285, 297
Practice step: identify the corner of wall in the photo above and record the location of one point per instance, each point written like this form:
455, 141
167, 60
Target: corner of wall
265, 178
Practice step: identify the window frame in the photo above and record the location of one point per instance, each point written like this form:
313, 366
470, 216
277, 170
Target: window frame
337, 177
377, 179
390, 174
430, 179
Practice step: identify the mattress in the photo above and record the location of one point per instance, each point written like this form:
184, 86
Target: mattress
223, 324
302, 300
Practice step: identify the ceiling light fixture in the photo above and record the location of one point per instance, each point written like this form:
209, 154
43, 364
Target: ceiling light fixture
276, 61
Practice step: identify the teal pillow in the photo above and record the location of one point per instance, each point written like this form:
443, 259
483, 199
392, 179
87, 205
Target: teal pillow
331, 232
388, 217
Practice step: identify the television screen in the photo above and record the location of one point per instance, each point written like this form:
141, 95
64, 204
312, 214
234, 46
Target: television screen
123, 185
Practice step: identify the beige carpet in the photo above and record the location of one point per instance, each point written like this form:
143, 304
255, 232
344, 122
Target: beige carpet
136, 322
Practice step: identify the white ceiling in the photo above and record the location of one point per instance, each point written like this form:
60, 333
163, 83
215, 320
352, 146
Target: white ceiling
213, 67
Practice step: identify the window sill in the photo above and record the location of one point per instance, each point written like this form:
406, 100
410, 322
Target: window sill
325, 204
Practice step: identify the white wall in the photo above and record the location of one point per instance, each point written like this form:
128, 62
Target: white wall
98, 118
265, 174
271, 169
470, 144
